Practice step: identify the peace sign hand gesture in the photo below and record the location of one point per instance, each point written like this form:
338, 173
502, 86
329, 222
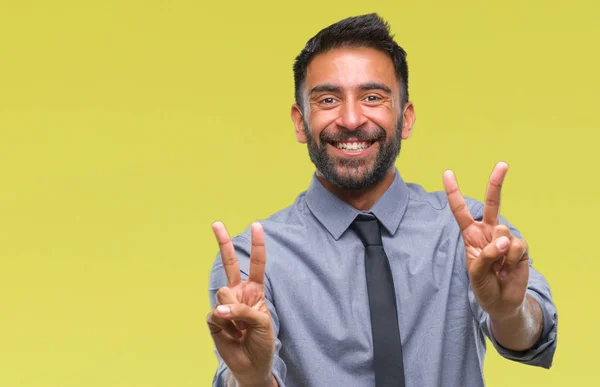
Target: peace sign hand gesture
497, 261
240, 324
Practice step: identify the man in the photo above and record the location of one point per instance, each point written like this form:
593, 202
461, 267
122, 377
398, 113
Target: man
370, 280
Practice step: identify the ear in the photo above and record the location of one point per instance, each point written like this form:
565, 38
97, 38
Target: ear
409, 119
297, 119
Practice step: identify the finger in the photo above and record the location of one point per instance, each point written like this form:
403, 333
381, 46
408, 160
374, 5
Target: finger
228, 257
457, 203
501, 230
492, 254
227, 295
491, 208
516, 251
219, 326
258, 255
254, 317
226, 337
497, 232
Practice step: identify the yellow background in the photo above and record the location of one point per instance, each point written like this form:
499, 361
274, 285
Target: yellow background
128, 127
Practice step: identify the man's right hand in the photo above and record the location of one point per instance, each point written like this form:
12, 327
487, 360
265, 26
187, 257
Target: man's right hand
240, 324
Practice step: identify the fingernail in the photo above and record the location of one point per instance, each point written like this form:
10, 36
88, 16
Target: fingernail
224, 310
502, 243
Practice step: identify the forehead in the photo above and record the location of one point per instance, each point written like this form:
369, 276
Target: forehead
348, 67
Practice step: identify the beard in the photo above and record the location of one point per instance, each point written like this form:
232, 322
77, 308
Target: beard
354, 173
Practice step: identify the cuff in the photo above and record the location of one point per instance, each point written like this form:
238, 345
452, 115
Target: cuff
541, 353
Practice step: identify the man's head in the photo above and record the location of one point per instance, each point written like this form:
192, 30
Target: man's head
352, 105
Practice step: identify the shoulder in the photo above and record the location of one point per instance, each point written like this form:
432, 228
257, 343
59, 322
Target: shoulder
422, 202
279, 226
437, 201
289, 220
283, 230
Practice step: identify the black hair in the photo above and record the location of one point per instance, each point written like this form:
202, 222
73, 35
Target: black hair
359, 31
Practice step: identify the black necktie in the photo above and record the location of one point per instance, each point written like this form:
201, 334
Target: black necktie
387, 348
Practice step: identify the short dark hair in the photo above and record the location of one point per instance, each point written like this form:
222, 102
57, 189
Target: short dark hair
359, 31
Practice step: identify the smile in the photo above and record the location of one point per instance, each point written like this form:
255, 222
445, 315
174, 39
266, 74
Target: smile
353, 146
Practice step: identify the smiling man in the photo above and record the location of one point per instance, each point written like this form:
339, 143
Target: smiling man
354, 102
371, 281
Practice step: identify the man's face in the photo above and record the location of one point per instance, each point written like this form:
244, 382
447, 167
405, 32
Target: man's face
352, 122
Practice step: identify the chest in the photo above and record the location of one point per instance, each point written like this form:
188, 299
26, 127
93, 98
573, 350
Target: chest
328, 275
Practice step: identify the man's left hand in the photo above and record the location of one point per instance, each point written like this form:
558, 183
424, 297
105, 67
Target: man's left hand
497, 262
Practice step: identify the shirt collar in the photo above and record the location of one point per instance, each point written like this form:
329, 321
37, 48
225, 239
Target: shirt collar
336, 215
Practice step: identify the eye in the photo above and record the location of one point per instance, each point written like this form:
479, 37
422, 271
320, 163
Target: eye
328, 101
373, 98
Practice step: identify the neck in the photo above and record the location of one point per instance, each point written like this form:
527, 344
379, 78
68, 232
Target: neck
361, 199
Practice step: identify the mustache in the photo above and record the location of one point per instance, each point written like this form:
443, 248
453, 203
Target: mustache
359, 134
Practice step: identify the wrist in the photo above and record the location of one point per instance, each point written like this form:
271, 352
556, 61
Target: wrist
243, 381
508, 315
519, 331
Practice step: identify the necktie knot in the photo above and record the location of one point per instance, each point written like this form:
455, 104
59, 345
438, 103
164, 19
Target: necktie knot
368, 230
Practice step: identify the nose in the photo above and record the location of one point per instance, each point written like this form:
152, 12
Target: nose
351, 115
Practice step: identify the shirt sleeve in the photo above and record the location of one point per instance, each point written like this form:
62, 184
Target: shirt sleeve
217, 280
542, 352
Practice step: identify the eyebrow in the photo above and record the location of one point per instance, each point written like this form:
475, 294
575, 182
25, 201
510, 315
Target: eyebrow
327, 87
330, 88
375, 86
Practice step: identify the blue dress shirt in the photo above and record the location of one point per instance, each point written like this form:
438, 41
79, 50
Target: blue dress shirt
316, 291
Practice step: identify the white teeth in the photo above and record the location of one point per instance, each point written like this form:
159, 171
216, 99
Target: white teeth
352, 145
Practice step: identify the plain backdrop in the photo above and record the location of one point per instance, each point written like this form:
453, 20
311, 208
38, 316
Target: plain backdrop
128, 127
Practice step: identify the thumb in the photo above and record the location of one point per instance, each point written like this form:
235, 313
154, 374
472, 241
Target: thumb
258, 319
226, 296
490, 254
